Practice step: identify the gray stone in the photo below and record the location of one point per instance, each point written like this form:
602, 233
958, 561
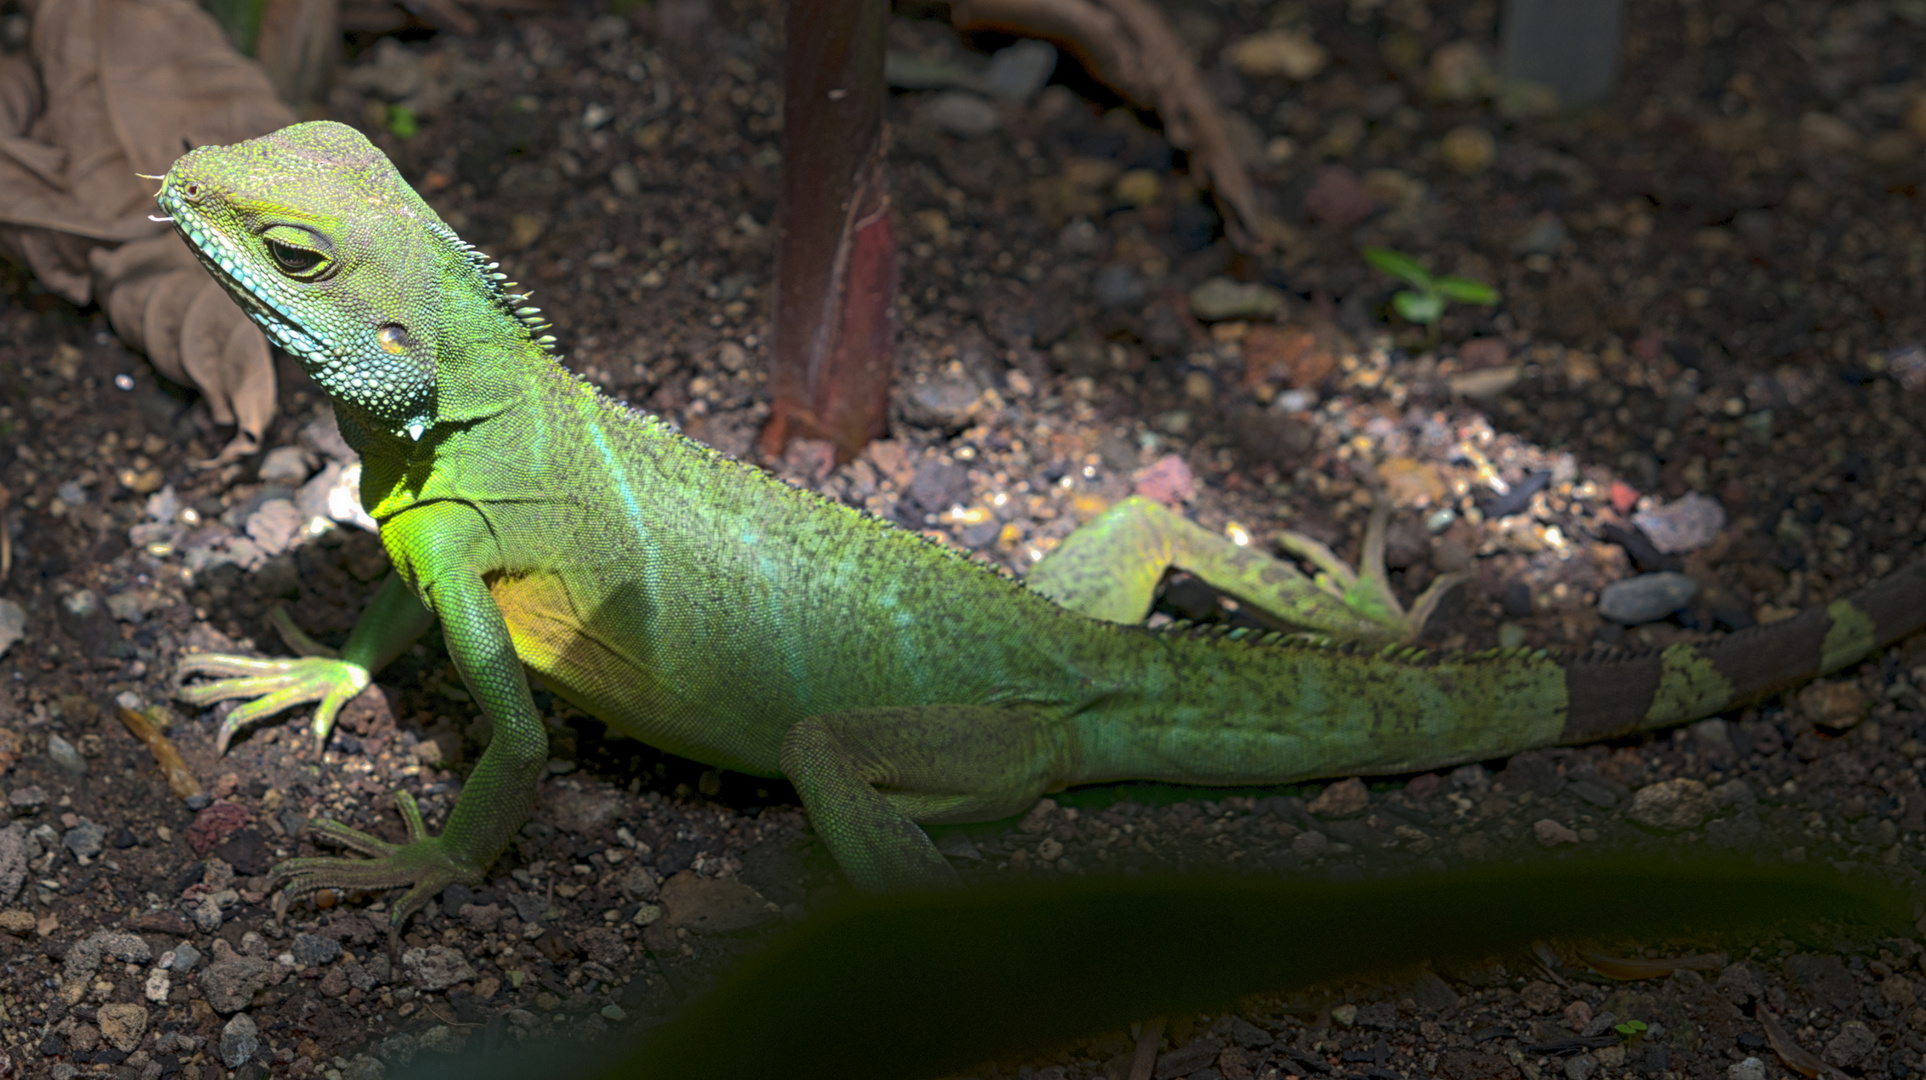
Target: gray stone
313, 950
1646, 597
287, 465
64, 756
962, 114
1735, 794
1189, 1058
123, 1025
13, 860
945, 402
1749, 1069
1019, 71
1671, 805
1310, 844
231, 984
1118, 285
84, 958
1220, 299
1684, 524
1854, 1041
1249, 1035
85, 840
398, 1049
1738, 984
13, 624
1581, 1067
239, 1039
25, 801
436, 967
273, 527
185, 957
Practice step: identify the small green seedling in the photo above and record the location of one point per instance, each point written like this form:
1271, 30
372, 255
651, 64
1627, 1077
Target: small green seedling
1630, 1029
403, 121
1424, 303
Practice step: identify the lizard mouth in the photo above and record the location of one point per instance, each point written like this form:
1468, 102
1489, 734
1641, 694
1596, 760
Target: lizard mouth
227, 262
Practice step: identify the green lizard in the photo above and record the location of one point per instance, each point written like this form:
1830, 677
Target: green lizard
698, 604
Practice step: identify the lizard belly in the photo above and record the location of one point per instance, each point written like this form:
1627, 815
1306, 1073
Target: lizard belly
594, 669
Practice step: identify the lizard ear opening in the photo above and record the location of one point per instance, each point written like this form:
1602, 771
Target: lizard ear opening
394, 340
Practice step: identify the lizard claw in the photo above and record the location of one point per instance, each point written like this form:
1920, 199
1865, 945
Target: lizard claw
1367, 590
275, 687
422, 864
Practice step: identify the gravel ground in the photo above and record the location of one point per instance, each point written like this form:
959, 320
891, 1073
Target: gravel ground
1707, 362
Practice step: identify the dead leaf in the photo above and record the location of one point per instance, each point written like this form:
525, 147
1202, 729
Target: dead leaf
1797, 1058
128, 86
1627, 969
180, 779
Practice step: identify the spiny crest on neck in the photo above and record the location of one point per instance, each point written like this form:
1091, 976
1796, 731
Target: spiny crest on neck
513, 304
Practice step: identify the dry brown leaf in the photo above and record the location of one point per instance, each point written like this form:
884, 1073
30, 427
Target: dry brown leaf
1626, 969
180, 779
115, 88
1797, 1058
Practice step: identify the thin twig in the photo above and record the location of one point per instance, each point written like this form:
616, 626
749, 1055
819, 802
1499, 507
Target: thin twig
1148, 1036
1130, 46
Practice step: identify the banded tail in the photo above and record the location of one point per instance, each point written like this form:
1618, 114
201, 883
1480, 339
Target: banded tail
1619, 695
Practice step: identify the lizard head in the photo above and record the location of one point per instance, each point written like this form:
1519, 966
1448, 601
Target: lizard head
322, 243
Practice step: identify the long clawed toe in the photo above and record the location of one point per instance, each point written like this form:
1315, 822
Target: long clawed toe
1367, 590
410, 864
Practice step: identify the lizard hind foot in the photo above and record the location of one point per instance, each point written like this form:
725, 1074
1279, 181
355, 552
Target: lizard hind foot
421, 865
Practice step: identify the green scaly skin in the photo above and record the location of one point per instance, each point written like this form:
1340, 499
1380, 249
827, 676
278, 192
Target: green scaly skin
698, 604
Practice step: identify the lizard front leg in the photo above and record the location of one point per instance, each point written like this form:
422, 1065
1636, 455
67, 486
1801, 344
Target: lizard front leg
1109, 569
391, 623
437, 544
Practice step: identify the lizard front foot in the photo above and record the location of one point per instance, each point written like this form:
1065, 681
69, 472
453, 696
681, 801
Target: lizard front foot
275, 686
423, 864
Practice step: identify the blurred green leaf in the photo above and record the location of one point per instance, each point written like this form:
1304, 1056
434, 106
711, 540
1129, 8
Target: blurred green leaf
1419, 307
403, 122
1399, 265
926, 984
1466, 290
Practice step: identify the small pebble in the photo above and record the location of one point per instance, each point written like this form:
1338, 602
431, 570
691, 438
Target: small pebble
286, 465
1645, 598
239, 1039
1551, 833
962, 114
1468, 149
64, 756
85, 839
1290, 53
1684, 524
1020, 71
1671, 805
1219, 299
13, 624
1117, 286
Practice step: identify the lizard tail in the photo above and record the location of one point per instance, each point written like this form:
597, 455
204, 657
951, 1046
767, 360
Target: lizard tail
1618, 694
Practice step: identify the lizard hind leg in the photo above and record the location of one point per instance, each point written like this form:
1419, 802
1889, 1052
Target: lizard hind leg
1110, 568
418, 863
868, 776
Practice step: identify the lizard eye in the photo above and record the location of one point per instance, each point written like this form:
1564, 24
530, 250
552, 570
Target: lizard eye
291, 259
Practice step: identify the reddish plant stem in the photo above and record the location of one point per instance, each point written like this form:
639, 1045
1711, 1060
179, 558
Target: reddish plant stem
836, 249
